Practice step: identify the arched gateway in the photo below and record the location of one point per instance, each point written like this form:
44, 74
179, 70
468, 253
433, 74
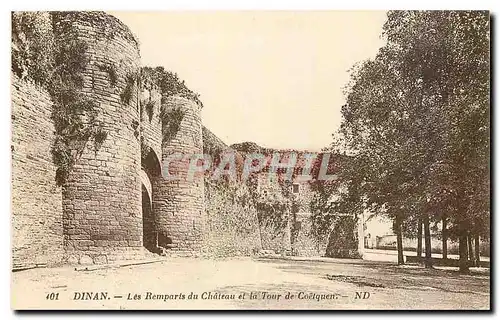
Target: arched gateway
150, 173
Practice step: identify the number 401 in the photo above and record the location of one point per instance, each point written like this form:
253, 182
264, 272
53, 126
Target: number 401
52, 296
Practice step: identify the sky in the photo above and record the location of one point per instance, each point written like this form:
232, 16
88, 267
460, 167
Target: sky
272, 77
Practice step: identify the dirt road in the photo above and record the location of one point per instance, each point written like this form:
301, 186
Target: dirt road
245, 283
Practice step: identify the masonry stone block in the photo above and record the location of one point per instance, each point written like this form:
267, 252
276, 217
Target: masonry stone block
116, 48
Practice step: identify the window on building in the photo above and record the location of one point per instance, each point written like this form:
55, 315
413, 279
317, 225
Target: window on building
295, 188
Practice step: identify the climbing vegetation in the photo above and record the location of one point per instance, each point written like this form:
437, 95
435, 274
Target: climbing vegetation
171, 120
168, 83
148, 105
127, 93
110, 69
57, 65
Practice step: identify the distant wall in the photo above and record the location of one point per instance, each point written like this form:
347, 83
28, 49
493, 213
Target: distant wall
37, 232
212, 144
297, 239
273, 237
303, 243
232, 225
388, 242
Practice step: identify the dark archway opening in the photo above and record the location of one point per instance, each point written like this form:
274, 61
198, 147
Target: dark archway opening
148, 230
151, 166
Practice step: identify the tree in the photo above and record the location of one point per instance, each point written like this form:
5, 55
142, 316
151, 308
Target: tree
416, 123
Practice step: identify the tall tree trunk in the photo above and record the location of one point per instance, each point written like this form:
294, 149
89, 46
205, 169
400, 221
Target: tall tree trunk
445, 238
469, 245
427, 237
476, 251
419, 238
260, 235
399, 239
462, 247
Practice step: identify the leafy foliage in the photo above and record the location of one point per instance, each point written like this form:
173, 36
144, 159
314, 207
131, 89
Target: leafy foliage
416, 122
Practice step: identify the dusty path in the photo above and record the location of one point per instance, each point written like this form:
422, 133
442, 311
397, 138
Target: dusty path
331, 284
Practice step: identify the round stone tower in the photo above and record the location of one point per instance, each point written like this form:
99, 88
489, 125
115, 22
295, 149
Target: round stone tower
179, 211
102, 195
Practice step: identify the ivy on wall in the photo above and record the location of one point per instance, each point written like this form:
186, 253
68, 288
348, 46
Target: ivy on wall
232, 222
149, 107
342, 240
272, 208
145, 150
127, 93
110, 69
275, 207
212, 145
171, 120
57, 65
168, 83
32, 46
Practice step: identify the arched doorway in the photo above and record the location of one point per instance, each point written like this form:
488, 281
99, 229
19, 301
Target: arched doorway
148, 232
151, 170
